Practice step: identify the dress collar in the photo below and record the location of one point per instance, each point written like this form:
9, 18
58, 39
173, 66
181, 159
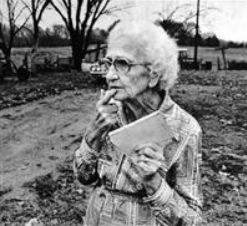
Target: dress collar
167, 105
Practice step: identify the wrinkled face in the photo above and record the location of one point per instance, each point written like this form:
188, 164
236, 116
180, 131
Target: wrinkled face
129, 81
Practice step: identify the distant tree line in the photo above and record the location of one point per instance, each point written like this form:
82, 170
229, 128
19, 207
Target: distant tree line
58, 35
184, 34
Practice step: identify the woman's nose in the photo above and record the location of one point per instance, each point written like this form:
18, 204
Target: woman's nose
111, 74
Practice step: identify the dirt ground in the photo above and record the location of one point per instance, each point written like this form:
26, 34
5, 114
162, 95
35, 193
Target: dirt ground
42, 122
36, 136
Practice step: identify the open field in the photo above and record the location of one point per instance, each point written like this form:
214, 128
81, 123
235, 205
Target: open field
42, 122
207, 54
212, 53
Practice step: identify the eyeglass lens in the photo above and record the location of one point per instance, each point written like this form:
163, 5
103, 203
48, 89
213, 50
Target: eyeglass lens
120, 65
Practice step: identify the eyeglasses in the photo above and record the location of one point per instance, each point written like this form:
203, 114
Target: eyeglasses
121, 65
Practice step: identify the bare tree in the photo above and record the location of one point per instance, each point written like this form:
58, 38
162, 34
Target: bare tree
10, 26
36, 9
80, 17
184, 13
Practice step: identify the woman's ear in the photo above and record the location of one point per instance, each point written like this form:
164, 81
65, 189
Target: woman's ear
154, 79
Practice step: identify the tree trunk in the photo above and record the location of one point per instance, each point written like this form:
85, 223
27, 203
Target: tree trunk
36, 42
5, 67
77, 54
77, 61
8, 67
36, 36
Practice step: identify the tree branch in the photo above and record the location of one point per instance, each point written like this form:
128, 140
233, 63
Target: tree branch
18, 29
27, 6
78, 14
114, 9
44, 6
86, 18
60, 13
94, 18
21, 12
69, 13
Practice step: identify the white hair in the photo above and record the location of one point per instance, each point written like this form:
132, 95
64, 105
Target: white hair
153, 45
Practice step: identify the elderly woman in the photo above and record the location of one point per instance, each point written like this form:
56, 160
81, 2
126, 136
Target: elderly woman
141, 64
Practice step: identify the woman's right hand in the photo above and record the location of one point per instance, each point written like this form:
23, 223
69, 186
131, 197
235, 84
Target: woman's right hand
106, 118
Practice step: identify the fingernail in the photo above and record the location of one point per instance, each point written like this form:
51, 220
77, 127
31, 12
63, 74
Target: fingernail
102, 93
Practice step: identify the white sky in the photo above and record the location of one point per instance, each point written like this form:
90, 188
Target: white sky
227, 19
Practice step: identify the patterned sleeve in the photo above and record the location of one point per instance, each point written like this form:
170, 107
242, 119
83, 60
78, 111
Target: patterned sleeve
180, 202
85, 164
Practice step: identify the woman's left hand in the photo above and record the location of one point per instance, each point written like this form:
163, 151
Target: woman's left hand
145, 163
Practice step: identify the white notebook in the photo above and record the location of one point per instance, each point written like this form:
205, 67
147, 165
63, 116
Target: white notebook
151, 128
